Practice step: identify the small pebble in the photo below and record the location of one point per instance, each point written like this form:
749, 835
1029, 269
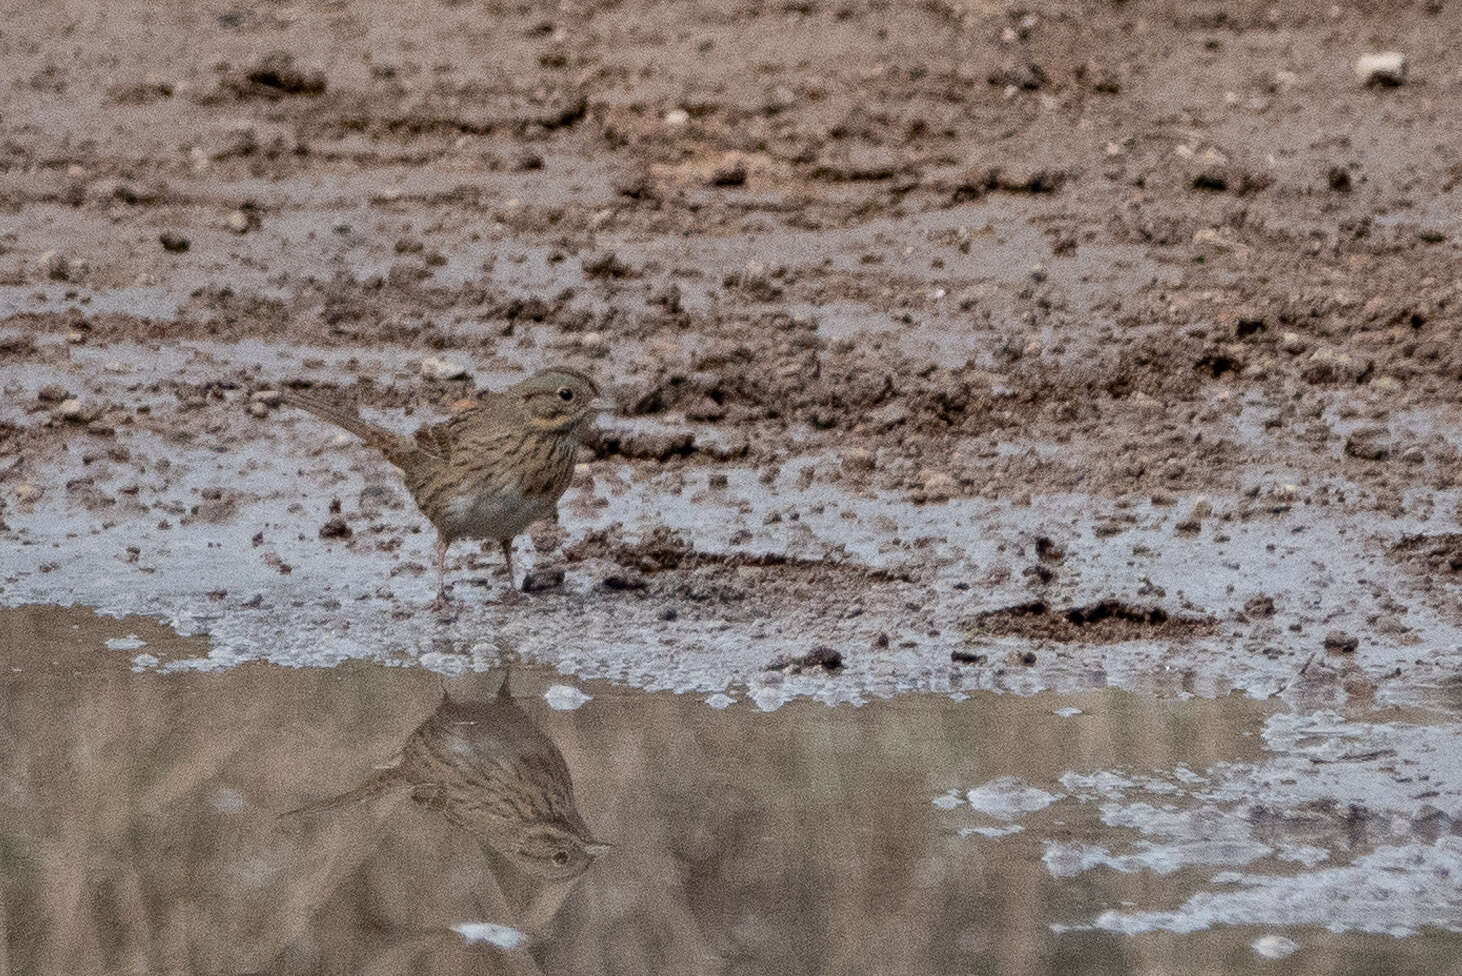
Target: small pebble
733, 174
859, 459
542, 580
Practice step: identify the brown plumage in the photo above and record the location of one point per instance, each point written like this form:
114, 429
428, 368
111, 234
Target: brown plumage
489, 471
487, 768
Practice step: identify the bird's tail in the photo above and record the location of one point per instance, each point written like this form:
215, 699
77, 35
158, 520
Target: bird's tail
347, 419
383, 782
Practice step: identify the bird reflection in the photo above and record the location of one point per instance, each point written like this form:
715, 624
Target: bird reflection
487, 768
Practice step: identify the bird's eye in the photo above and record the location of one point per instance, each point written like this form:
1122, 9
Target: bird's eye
560, 858
565, 394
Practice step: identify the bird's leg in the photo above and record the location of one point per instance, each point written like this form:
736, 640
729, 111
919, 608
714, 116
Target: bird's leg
512, 595
507, 545
441, 601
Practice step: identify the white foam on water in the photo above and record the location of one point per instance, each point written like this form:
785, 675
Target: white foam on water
1009, 798
502, 936
768, 699
563, 698
1274, 946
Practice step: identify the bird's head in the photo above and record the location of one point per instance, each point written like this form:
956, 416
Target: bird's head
556, 852
558, 400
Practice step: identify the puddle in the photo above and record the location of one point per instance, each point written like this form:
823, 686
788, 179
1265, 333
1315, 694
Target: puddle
369, 818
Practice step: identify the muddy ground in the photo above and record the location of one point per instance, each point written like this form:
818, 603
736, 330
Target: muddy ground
983, 344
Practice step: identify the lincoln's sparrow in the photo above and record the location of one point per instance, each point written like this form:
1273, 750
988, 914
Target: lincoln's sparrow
487, 768
498, 465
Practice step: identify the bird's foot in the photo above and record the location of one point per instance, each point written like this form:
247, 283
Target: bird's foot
445, 605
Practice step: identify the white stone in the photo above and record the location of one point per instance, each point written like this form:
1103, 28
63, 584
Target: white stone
437, 368
563, 698
938, 485
1274, 946
502, 936
1381, 68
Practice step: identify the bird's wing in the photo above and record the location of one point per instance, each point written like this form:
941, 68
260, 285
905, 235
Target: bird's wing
470, 429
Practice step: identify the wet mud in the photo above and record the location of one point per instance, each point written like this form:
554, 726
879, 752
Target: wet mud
1078, 351
913, 315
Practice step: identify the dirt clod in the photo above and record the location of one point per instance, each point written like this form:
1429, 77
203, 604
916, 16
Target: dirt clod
819, 658
335, 528
1106, 622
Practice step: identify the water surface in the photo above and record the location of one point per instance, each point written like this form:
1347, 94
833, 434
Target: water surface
145, 827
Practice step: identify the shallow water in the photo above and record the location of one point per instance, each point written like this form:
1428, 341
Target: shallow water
141, 827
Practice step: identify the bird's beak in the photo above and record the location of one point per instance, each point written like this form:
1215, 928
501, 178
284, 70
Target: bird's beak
595, 848
602, 404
